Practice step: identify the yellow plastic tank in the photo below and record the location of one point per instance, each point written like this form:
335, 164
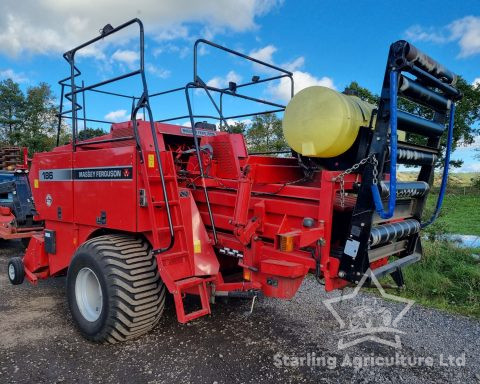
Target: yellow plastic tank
321, 122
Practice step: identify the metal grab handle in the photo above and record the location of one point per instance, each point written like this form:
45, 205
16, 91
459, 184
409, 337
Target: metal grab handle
392, 200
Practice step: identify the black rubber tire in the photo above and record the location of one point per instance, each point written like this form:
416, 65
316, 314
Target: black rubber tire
133, 293
17, 264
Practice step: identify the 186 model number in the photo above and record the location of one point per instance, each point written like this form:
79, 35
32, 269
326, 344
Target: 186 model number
47, 175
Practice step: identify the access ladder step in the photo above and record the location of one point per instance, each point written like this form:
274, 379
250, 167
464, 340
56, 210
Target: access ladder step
174, 255
190, 283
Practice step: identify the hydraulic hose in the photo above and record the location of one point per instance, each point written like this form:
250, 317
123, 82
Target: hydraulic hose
443, 186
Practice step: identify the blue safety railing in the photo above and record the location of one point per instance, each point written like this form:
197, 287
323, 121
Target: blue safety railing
393, 160
393, 155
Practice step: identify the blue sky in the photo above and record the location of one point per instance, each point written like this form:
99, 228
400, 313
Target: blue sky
323, 42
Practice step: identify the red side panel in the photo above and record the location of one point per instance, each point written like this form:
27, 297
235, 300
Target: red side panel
52, 183
105, 185
226, 151
204, 259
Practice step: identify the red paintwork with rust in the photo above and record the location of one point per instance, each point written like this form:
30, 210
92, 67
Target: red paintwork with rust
251, 199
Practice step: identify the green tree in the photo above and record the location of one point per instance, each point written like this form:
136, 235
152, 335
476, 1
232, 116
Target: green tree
238, 127
12, 110
265, 134
28, 119
89, 133
40, 119
363, 93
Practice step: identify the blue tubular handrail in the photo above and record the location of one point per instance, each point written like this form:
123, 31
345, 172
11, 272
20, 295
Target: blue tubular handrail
443, 186
393, 155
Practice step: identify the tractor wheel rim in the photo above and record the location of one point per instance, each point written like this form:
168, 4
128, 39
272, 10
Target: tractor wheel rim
11, 272
88, 294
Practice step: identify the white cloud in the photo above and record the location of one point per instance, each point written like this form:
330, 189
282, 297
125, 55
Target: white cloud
470, 167
264, 54
465, 31
295, 64
302, 80
118, 116
182, 51
282, 91
476, 82
172, 33
157, 71
11, 74
232, 122
428, 34
222, 82
121, 115
47, 26
128, 57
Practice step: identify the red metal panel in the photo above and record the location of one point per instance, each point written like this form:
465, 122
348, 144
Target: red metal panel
52, 186
283, 268
116, 197
36, 258
198, 243
65, 245
224, 152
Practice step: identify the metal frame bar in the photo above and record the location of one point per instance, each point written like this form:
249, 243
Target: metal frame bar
239, 54
143, 102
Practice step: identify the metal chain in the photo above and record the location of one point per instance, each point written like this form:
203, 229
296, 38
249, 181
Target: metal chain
375, 170
341, 177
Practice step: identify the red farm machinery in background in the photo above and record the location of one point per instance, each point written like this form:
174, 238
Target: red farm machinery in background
17, 211
153, 206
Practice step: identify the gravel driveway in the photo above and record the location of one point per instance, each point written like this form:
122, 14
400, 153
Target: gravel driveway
276, 343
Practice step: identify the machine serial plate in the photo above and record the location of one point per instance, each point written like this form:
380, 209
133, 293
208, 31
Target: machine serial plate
351, 248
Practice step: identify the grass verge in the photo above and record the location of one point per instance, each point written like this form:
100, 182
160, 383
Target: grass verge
460, 214
447, 278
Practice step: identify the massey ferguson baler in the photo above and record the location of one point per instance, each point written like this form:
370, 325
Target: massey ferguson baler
153, 206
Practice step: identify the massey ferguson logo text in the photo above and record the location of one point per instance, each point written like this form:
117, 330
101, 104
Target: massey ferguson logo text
79, 174
103, 174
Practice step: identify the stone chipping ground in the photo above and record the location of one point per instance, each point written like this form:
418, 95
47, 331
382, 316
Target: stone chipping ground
276, 343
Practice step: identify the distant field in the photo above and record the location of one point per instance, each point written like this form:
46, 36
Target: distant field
461, 207
460, 214
454, 179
